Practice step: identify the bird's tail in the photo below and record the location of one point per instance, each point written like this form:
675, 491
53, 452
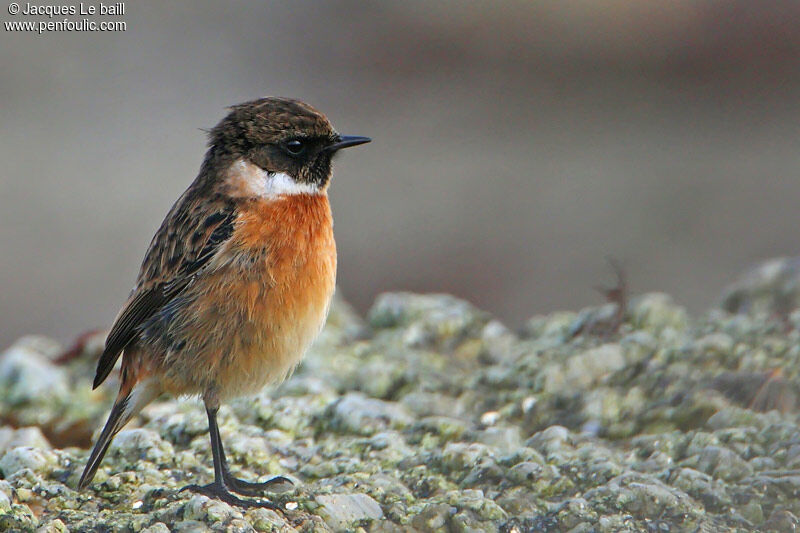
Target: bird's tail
127, 405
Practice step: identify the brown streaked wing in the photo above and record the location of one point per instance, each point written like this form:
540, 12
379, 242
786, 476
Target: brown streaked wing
176, 255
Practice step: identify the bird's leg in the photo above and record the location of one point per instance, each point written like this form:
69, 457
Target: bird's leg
247, 487
220, 489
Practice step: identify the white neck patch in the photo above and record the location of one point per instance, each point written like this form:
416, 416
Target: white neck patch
247, 179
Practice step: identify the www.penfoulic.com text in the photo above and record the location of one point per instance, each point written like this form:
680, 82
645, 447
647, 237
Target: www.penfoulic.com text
42, 26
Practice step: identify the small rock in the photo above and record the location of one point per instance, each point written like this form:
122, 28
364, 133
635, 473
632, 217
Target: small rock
781, 520
205, 509
133, 445
340, 510
355, 413
657, 311
54, 526
524, 473
717, 343
31, 437
433, 517
27, 374
723, 463
476, 501
771, 288
432, 404
265, 520
5, 500
594, 365
446, 427
428, 319
37, 460
549, 440
460, 456
505, 439
158, 527
190, 526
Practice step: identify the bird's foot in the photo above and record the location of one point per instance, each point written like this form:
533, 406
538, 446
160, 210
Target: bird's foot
220, 492
276, 484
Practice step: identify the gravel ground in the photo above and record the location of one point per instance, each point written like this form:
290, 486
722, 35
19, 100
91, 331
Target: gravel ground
429, 415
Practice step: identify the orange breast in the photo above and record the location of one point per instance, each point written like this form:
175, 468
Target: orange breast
260, 311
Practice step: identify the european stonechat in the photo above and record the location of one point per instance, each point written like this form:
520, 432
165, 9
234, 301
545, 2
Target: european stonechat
237, 281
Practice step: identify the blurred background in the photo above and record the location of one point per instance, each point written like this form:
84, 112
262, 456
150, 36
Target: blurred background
517, 145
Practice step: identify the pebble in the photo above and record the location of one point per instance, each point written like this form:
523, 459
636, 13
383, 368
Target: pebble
340, 510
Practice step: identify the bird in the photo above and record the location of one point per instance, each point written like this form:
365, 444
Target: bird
236, 282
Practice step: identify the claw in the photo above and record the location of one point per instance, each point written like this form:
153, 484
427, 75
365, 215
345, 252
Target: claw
276, 484
220, 492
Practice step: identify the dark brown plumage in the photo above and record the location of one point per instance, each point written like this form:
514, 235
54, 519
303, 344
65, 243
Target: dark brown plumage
237, 281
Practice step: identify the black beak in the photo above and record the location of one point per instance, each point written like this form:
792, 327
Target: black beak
346, 141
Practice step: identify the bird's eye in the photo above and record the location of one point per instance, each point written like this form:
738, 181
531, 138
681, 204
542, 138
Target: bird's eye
295, 147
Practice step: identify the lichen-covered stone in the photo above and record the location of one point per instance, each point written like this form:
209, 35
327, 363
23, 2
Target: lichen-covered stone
31, 437
432, 416
35, 391
769, 288
341, 510
34, 459
355, 413
29, 376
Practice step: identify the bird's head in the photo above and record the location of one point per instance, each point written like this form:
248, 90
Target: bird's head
276, 146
